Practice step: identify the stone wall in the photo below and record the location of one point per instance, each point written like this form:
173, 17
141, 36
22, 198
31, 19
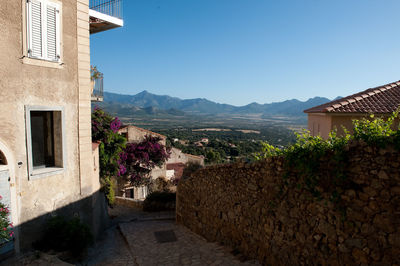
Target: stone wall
128, 202
231, 204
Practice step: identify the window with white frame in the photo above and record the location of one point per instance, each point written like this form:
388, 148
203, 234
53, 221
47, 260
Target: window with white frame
43, 30
45, 140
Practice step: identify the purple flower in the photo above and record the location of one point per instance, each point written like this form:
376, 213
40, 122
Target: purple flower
122, 170
115, 125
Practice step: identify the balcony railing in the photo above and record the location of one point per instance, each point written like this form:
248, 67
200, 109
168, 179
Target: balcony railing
97, 92
109, 7
105, 15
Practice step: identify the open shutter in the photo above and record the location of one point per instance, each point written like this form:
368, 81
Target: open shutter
35, 28
52, 32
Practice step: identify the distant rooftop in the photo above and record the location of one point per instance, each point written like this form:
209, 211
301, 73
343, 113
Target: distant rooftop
143, 130
380, 100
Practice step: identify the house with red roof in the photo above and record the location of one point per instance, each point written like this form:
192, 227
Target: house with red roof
381, 101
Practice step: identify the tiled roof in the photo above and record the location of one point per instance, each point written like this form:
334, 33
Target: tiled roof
178, 168
380, 100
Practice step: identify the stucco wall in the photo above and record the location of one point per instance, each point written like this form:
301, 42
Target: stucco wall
344, 120
36, 83
239, 205
137, 134
319, 124
177, 156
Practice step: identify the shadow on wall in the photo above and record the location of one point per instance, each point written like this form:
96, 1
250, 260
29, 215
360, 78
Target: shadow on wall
91, 211
246, 207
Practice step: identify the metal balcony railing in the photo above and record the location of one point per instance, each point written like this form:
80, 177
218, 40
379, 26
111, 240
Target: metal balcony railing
98, 91
109, 7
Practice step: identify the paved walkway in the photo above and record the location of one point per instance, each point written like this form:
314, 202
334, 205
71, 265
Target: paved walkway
133, 241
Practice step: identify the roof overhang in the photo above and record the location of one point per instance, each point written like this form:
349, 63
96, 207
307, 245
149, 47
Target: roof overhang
101, 22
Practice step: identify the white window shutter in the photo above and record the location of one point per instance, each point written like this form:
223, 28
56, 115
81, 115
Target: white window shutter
35, 28
52, 32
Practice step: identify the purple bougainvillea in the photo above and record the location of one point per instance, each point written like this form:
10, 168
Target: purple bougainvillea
137, 159
115, 125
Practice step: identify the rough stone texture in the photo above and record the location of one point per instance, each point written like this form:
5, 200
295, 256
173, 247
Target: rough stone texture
231, 204
128, 202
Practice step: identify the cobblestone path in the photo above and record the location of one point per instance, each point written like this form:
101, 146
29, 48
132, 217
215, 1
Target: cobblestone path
188, 249
132, 242
111, 250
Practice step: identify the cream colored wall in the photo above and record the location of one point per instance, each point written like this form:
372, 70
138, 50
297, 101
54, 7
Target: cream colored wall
23, 84
136, 134
328, 122
319, 124
177, 156
89, 178
344, 120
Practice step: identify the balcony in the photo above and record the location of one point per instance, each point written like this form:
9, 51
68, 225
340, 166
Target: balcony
97, 88
105, 15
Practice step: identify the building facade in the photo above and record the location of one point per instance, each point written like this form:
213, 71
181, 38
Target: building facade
49, 164
381, 101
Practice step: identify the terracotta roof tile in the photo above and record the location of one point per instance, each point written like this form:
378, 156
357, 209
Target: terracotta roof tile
380, 100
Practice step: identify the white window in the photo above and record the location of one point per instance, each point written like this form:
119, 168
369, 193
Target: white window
43, 30
45, 140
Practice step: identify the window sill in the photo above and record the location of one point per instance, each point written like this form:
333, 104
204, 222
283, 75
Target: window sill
44, 172
42, 63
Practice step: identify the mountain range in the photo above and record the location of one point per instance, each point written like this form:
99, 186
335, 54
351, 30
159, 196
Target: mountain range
148, 103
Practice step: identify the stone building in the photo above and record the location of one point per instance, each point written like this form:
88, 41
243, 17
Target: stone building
173, 168
135, 134
48, 162
381, 101
178, 161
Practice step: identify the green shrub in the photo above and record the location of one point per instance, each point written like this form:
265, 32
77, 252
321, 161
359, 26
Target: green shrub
375, 131
108, 188
159, 201
303, 159
61, 234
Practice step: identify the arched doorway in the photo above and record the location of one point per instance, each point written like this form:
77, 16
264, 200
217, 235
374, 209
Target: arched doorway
6, 246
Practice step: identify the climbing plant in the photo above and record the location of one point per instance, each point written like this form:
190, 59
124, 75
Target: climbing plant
138, 159
376, 131
303, 159
105, 130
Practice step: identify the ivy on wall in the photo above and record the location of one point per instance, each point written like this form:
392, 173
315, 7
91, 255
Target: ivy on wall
105, 130
303, 159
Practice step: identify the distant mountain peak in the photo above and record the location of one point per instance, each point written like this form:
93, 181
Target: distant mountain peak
143, 92
155, 102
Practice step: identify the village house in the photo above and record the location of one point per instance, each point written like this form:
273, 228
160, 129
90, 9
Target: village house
178, 161
381, 101
135, 134
171, 169
48, 163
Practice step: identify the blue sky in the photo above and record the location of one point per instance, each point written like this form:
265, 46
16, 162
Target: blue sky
243, 51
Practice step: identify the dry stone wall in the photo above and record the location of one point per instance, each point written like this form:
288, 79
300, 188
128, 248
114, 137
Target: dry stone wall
238, 205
